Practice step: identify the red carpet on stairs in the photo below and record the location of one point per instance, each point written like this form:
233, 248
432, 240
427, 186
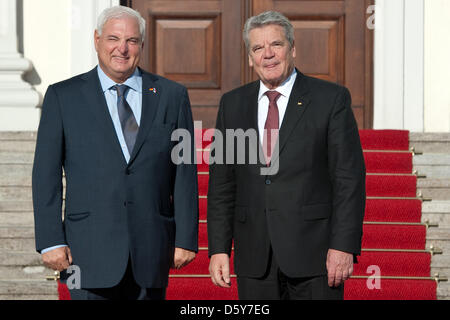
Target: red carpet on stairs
393, 239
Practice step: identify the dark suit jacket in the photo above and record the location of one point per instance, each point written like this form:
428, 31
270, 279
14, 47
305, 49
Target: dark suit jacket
316, 200
114, 210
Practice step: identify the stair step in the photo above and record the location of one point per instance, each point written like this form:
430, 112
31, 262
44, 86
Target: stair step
17, 244
18, 135
430, 142
434, 172
442, 219
15, 174
9, 157
16, 231
28, 287
431, 159
20, 258
436, 189
34, 297
15, 193
17, 218
17, 146
16, 206
436, 206
27, 272
443, 291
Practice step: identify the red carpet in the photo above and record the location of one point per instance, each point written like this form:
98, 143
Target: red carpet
393, 239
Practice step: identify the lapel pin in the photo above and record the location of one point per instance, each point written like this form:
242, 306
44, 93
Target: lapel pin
152, 90
300, 103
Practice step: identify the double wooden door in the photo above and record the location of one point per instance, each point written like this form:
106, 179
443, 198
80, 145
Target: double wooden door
199, 44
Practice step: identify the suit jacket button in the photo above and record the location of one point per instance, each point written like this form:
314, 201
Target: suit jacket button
268, 181
128, 172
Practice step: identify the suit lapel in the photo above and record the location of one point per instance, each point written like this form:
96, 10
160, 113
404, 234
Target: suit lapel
297, 105
151, 93
95, 97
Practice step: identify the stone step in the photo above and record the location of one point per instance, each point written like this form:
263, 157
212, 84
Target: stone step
436, 206
436, 212
18, 136
23, 232
15, 157
432, 159
438, 234
26, 297
442, 219
443, 291
28, 287
17, 146
441, 261
27, 272
15, 193
16, 206
15, 174
434, 172
436, 189
17, 244
430, 142
20, 258
17, 218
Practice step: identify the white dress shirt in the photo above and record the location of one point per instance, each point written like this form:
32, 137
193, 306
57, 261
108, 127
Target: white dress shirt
263, 102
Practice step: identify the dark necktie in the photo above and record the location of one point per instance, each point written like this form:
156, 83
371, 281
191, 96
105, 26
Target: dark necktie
128, 122
272, 123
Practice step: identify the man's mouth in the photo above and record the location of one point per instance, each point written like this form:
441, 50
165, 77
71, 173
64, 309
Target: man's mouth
122, 59
271, 66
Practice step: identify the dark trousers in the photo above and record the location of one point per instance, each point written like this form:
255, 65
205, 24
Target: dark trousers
127, 289
275, 285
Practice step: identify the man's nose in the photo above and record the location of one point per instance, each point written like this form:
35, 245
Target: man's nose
268, 52
123, 47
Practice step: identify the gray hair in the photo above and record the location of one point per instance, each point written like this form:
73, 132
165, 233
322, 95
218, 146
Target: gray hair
118, 12
268, 18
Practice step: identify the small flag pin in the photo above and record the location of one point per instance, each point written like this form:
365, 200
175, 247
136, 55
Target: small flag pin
153, 90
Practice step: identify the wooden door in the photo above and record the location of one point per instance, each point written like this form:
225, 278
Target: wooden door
199, 44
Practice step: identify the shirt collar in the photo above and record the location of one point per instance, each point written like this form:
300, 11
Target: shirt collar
134, 82
285, 88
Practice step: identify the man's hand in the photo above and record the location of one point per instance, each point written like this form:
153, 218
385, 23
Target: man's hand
182, 258
58, 259
339, 266
219, 268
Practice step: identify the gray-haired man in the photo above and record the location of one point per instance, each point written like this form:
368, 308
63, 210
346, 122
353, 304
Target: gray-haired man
130, 212
295, 233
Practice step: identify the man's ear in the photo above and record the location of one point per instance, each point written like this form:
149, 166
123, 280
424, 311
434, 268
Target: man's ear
294, 53
96, 39
250, 61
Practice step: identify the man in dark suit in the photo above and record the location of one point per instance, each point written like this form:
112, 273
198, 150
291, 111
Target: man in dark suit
130, 212
296, 228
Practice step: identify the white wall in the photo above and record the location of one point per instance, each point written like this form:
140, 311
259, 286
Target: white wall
437, 66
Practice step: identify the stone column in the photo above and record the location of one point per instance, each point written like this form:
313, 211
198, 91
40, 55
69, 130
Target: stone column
18, 100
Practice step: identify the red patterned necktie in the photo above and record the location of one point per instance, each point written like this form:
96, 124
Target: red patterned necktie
272, 125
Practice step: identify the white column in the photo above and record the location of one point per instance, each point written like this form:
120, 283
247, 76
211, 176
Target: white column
18, 100
414, 66
399, 65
